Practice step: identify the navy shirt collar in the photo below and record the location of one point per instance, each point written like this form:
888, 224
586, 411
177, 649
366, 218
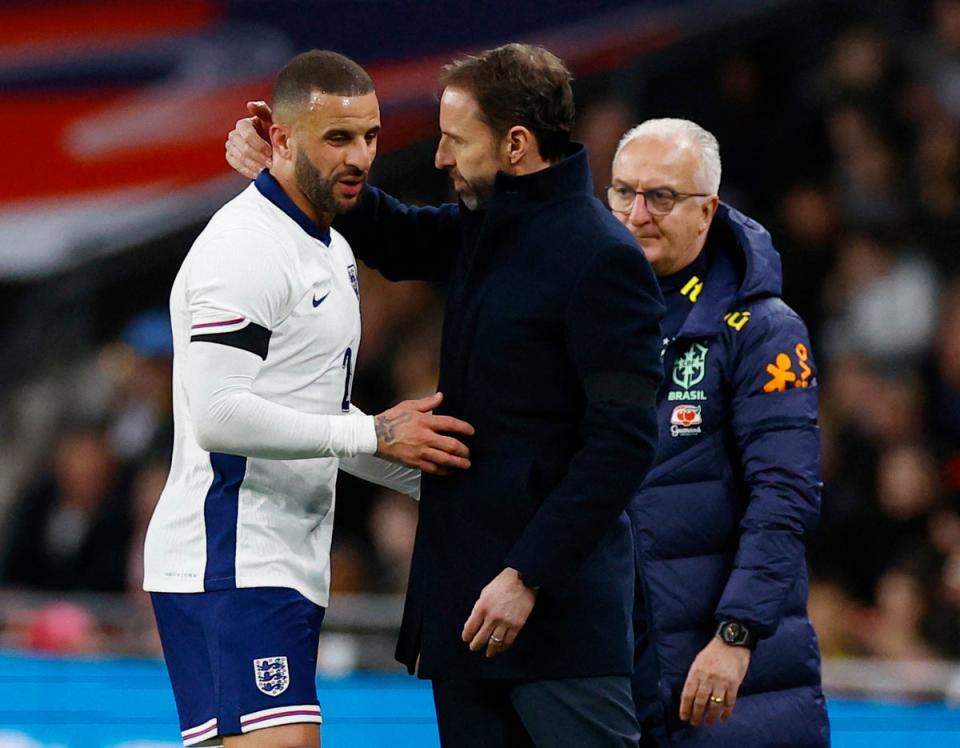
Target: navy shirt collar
677, 280
680, 293
719, 291
270, 188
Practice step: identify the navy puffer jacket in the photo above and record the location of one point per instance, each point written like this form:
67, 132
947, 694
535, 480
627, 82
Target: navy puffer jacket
723, 517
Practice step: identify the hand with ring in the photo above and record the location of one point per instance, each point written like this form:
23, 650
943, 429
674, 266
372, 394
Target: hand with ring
713, 681
499, 614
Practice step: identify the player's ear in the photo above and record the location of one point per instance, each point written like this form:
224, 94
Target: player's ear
517, 143
281, 136
707, 210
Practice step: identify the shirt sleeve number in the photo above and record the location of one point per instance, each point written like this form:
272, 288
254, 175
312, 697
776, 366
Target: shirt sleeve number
348, 367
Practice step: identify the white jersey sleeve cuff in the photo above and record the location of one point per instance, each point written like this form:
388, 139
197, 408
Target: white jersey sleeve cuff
354, 434
375, 470
380, 472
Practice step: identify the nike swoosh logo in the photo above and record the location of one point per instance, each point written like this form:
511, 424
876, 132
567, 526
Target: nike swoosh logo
317, 302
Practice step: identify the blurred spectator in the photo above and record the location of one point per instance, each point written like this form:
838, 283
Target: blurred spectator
867, 179
809, 220
387, 309
148, 483
883, 300
600, 127
943, 384
416, 360
936, 190
834, 615
746, 121
938, 56
892, 629
862, 74
860, 66
348, 572
58, 628
123, 384
64, 628
943, 620
867, 420
393, 525
71, 530
906, 485
141, 365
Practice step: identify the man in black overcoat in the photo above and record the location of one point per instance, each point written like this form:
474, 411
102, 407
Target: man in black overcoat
521, 588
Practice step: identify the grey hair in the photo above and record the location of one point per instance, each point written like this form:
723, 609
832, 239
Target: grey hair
683, 130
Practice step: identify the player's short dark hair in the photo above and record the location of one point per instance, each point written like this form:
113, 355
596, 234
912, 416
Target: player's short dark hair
318, 70
519, 84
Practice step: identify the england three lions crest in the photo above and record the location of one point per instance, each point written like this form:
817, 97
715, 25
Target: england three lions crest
273, 675
354, 281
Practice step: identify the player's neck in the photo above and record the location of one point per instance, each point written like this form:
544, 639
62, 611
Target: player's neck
289, 184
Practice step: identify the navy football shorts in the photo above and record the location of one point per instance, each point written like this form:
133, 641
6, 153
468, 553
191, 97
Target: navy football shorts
240, 660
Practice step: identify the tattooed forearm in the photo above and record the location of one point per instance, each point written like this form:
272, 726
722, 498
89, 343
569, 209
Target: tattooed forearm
387, 426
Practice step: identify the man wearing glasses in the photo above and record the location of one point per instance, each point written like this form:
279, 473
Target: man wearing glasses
721, 520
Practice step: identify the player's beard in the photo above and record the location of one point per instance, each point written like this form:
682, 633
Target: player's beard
318, 189
474, 193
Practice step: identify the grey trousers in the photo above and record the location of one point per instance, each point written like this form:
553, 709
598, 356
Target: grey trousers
593, 712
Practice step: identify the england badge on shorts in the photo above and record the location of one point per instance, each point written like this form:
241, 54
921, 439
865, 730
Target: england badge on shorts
272, 674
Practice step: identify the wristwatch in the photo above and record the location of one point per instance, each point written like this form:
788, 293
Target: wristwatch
525, 583
736, 634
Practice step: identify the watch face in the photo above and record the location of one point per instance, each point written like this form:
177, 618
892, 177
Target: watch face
732, 632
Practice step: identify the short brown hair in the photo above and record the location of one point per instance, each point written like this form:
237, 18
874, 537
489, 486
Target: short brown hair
318, 70
519, 84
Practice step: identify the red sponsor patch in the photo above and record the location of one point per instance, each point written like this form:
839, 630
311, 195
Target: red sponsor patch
686, 416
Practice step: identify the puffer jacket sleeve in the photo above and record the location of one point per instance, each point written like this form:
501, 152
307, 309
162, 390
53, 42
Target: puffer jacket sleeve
774, 419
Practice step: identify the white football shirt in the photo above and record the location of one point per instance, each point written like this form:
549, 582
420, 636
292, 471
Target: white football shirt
262, 281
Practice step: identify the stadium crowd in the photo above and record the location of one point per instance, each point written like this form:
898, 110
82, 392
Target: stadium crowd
844, 141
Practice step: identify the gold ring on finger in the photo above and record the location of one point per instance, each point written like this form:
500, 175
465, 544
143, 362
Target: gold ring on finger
717, 699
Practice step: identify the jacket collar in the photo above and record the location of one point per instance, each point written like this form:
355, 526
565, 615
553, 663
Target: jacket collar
270, 188
568, 176
744, 266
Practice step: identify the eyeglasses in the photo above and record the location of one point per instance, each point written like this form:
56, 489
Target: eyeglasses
659, 200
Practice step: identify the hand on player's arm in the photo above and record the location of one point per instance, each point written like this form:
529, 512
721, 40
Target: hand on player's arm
717, 671
248, 144
499, 613
411, 434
